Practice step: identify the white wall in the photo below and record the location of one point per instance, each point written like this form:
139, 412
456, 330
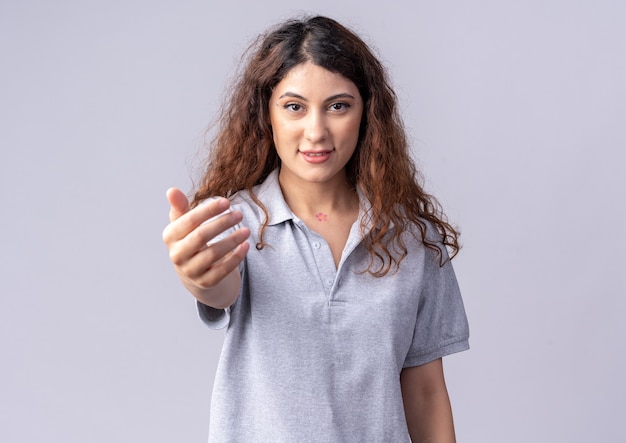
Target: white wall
517, 112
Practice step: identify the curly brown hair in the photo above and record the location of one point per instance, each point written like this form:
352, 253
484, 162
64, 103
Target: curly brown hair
242, 153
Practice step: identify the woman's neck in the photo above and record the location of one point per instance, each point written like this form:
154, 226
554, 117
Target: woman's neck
319, 200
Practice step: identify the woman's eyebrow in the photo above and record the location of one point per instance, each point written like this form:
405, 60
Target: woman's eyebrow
293, 95
331, 98
342, 95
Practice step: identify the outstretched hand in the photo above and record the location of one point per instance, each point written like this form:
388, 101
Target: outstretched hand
209, 270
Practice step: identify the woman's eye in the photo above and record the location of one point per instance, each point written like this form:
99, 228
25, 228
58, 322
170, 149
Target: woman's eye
339, 106
293, 107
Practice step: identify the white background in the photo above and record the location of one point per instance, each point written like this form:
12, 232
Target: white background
517, 114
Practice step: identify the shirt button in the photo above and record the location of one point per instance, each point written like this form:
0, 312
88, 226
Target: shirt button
316, 244
329, 281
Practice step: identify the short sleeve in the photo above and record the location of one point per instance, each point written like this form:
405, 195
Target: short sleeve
441, 326
212, 317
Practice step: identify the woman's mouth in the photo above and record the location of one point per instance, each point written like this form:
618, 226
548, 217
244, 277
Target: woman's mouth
316, 156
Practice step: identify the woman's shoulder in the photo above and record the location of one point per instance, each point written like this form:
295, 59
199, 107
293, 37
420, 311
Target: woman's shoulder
267, 193
423, 239
266, 190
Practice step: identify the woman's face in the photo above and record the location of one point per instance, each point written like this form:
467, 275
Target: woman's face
315, 117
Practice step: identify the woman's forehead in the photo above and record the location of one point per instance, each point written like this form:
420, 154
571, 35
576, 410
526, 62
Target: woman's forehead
310, 79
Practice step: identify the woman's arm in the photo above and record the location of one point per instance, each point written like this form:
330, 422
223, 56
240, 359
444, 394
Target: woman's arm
209, 272
426, 404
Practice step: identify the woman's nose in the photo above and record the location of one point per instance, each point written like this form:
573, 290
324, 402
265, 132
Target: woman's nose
315, 129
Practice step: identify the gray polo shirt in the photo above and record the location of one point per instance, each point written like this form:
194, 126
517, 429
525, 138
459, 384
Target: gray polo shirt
313, 353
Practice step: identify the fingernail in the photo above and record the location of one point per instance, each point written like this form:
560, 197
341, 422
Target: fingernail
237, 216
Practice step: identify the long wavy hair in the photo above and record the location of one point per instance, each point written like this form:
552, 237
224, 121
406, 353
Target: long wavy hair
242, 153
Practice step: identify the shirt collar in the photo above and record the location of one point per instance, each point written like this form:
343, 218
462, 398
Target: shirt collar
271, 195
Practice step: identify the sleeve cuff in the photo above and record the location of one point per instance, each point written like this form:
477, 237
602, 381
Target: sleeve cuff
212, 317
433, 354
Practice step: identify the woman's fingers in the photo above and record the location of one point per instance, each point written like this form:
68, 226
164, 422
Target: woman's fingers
184, 221
210, 266
178, 203
190, 237
211, 256
197, 240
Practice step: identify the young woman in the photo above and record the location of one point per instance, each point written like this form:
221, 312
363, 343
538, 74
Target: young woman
322, 256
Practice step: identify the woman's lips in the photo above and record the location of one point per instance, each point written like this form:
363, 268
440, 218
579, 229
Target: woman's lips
316, 156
